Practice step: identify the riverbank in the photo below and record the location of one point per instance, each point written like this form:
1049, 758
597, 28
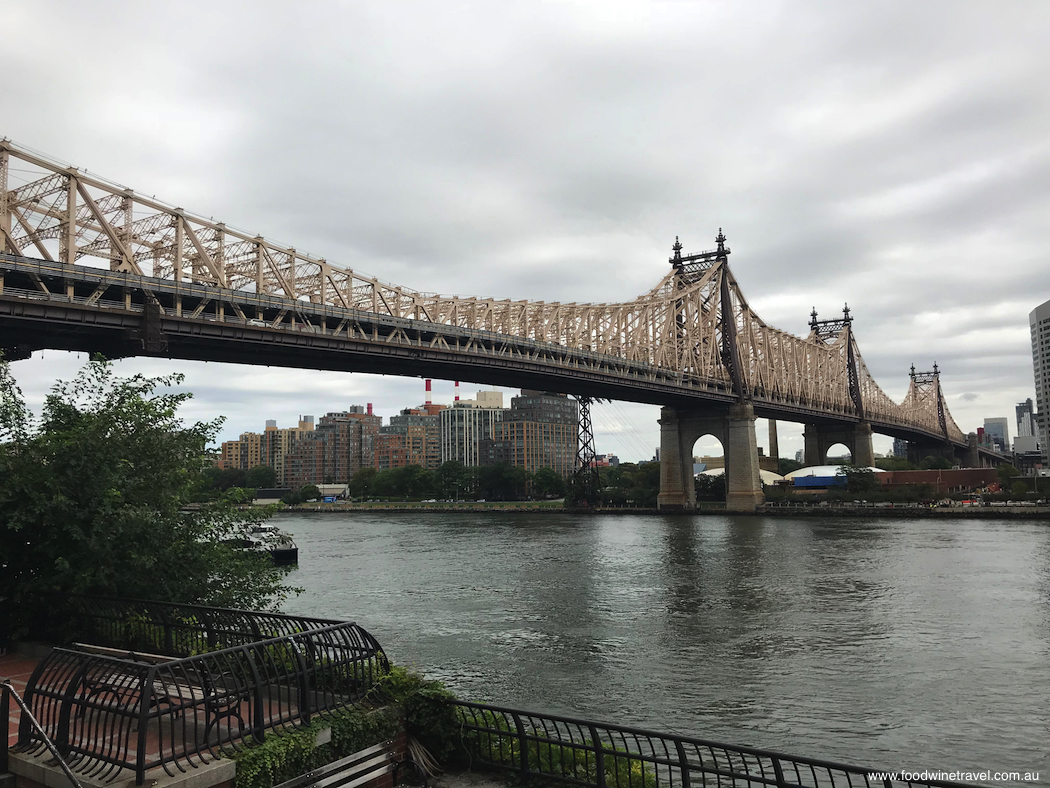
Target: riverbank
556, 507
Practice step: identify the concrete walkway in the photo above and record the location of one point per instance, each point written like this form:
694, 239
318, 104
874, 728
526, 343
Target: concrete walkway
18, 668
473, 779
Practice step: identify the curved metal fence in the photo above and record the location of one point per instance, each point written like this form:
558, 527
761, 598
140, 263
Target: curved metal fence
121, 700
181, 630
602, 755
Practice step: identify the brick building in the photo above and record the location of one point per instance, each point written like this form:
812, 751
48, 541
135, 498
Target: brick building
540, 430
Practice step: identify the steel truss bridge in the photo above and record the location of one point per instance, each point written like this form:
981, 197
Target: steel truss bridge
89, 265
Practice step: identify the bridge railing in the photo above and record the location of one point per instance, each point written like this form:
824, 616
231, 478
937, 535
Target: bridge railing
548, 747
571, 358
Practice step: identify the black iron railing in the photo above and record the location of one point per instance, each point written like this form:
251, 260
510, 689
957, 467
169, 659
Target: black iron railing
179, 630
121, 700
601, 755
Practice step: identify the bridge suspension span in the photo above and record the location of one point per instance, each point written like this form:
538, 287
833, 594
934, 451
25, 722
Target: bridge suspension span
692, 339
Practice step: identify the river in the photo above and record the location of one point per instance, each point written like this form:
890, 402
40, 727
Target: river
904, 644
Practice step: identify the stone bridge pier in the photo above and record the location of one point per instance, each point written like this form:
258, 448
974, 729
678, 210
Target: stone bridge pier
735, 428
855, 437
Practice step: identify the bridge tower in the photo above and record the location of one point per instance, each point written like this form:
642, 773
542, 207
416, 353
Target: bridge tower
926, 387
732, 424
586, 482
856, 437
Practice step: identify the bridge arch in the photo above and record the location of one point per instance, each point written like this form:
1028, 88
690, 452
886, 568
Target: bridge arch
734, 428
856, 438
837, 450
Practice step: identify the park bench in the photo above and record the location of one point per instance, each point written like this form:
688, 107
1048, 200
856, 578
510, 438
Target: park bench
219, 702
355, 770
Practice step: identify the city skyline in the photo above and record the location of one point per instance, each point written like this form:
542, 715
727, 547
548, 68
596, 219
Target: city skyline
895, 162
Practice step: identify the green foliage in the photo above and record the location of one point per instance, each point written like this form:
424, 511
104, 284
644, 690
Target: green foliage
786, 466
93, 497
547, 483
621, 768
895, 464
429, 717
411, 481
285, 755
361, 483
261, 476
454, 480
860, 481
935, 463
710, 488
1007, 473
308, 492
629, 484
1019, 489
502, 482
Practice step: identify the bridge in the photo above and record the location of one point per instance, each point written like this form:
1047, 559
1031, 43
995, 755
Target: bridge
88, 265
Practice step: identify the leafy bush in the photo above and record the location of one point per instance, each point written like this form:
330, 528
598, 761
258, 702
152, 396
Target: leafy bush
288, 754
101, 481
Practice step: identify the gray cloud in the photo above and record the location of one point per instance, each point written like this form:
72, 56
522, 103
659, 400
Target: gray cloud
892, 156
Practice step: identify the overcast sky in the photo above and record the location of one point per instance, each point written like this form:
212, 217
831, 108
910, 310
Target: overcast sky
892, 155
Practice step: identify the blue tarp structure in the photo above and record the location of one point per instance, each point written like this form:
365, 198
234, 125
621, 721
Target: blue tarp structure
820, 481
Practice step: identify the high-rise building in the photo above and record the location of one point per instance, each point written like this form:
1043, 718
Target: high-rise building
1039, 322
1025, 421
997, 432
466, 424
413, 437
229, 455
900, 448
343, 443
276, 442
244, 453
540, 430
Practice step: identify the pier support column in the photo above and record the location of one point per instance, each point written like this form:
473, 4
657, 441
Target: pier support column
856, 437
676, 482
862, 450
743, 482
815, 452
735, 429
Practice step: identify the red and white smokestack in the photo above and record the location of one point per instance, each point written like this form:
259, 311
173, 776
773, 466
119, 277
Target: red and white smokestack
369, 408
457, 391
428, 391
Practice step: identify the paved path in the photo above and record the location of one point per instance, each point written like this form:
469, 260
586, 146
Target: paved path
471, 779
18, 668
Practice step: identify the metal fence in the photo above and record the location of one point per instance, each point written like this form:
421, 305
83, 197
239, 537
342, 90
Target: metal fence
118, 701
601, 755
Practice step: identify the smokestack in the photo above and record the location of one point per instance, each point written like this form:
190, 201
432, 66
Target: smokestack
428, 391
457, 391
369, 408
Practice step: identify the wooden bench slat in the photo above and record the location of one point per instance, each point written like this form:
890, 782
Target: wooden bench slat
358, 768
355, 776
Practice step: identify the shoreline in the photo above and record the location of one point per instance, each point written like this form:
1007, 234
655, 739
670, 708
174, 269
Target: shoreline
900, 512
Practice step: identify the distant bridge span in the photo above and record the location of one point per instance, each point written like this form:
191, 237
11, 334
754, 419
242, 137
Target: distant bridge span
88, 265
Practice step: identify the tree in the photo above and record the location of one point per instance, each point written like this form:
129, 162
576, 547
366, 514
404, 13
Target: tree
1007, 473
502, 482
935, 463
452, 479
361, 484
786, 466
710, 488
548, 483
261, 476
860, 480
92, 500
631, 485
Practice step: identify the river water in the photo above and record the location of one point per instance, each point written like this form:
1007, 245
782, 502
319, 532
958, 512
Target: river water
899, 644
